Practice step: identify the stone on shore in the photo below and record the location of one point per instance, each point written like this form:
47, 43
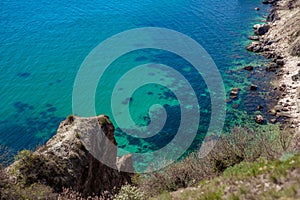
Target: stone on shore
255, 47
261, 29
272, 67
253, 37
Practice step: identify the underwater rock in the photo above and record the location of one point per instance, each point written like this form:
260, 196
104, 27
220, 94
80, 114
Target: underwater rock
253, 87
235, 105
249, 68
259, 107
234, 93
259, 119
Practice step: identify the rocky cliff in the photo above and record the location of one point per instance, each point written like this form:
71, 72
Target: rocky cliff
82, 156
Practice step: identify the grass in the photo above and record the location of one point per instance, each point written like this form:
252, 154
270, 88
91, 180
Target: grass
77, 135
257, 180
277, 168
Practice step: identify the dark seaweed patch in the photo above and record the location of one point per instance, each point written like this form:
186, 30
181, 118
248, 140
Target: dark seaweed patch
23, 74
52, 109
21, 107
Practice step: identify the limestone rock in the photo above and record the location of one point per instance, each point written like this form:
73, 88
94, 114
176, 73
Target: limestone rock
125, 163
82, 156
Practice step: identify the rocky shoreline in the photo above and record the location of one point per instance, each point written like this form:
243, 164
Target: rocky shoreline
279, 40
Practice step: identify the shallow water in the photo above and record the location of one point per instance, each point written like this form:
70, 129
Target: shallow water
43, 44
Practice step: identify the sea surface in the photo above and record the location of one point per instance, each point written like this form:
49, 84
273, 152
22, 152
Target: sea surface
43, 44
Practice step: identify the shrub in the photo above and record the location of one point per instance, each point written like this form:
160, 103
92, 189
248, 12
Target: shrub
69, 194
77, 135
242, 144
4, 181
34, 191
13, 190
129, 192
70, 119
31, 168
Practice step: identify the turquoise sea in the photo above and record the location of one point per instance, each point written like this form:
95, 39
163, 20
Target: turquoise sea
43, 43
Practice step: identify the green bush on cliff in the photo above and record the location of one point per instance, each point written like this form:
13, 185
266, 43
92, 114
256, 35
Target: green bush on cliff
31, 168
241, 145
34, 191
9, 189
262, 179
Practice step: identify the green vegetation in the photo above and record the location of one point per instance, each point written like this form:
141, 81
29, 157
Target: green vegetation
10, 189
77, 135
129, 192
248, 163
70, 119
257, 180
80, 146
243, 154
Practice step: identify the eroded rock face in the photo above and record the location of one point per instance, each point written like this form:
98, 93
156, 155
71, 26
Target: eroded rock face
74, 157
273, 15
295, 47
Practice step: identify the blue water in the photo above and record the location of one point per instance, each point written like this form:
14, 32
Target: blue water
43, 43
